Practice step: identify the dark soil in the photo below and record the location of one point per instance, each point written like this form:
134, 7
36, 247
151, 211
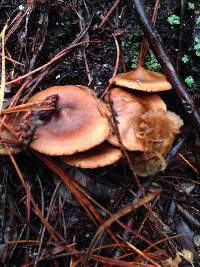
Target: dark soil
42, 30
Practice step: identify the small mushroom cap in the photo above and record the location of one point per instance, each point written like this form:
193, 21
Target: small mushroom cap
77, 125
144, 80
129, 108
99, 156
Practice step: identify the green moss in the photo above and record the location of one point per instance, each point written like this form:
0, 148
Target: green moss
131, 47
133, 54
137, 31
185, 59
173, 20
189, 81
197, 21
151, 62
197, 46
191, 5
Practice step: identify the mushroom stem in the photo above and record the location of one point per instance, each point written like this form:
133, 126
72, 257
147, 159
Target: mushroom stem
156, 43
143, 51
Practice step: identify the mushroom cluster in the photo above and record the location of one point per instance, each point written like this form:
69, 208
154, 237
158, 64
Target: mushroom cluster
146, 128
80, 129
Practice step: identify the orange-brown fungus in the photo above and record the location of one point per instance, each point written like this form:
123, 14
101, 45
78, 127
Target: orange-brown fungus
99, 156
76, 126
129, 108
157, 130
142, 79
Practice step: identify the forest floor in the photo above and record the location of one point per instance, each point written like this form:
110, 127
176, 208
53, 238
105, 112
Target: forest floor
41, 223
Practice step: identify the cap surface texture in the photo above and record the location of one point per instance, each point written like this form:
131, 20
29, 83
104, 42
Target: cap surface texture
77, 125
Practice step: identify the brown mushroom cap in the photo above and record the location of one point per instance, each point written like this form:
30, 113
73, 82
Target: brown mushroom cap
76, 126
99, 156
151, 101
144, 80
129, 108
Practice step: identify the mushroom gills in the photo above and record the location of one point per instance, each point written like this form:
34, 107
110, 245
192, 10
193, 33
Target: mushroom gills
158, 129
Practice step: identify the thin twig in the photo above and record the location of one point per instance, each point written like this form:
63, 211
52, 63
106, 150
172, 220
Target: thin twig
55, 58
115, 68
145, 44
109, 13
56, 236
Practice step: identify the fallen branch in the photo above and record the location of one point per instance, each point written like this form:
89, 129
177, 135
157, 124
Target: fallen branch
156, 44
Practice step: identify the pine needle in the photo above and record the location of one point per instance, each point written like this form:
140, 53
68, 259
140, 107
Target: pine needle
3, 68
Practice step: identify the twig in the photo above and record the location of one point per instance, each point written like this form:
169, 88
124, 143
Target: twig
57, 237
52, 203
57, 57
109, 13
13, 61
188, 217
86, 37
115, 68
173, 152
50, 69
18, 20
40, 35
115, 217
75, 190
156, 44
145, 44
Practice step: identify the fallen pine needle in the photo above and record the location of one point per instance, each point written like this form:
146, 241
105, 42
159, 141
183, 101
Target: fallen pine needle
141, 253
3, 69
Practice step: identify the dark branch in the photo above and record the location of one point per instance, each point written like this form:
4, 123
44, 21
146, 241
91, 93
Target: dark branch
156, 44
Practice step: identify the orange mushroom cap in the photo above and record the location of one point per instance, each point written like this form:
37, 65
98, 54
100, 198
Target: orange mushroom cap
129, 108
151, 101
142, 79
76, 126
99, 156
